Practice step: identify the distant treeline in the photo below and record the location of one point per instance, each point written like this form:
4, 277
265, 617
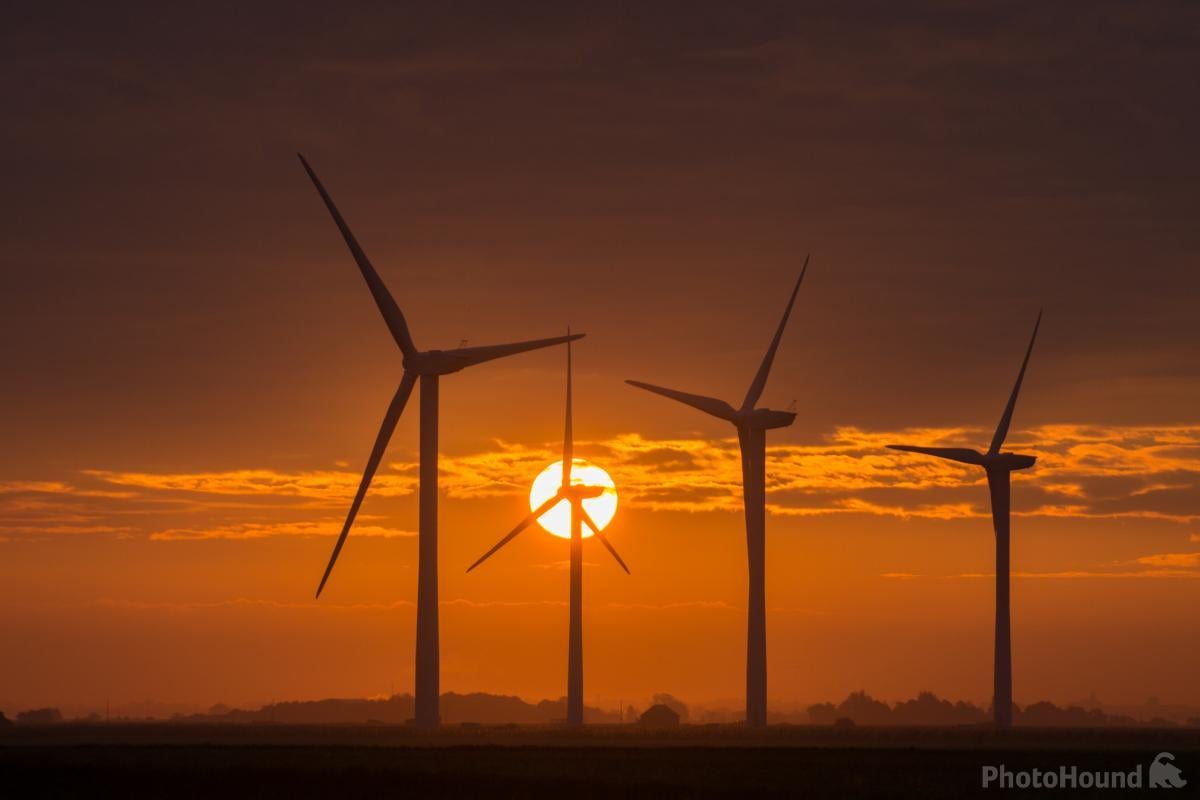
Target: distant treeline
484, 709
478, 708
34, 716
928, 709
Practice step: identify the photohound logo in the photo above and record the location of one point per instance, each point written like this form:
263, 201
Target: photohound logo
1163, 775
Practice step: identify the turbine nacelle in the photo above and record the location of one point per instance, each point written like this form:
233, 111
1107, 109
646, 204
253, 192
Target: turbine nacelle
433, 362
578, 492
763, 419
747, 417
418, 364
573, 493
993, 459
1009, 462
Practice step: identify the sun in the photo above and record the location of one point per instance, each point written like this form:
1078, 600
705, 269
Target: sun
558, 519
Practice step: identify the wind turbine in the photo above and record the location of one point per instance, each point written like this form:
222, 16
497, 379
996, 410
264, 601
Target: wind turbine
575, 494
998, 466
752, 425
426, 366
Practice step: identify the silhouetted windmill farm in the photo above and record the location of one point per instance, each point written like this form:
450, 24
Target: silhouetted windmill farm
998, 466
752, 425
575, 494
427, 366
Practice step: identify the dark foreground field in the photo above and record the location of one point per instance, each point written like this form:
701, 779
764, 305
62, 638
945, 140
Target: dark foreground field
383, 761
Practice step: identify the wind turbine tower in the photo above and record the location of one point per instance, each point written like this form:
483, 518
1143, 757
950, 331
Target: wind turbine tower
752, 425
998, 466
426, 366
575, 493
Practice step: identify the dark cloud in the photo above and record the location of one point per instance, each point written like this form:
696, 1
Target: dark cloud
953, 166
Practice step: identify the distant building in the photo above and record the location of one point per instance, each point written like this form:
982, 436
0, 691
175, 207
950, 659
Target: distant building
659, 716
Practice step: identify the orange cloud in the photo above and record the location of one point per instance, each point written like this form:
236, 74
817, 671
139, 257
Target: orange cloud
68, 530
325, 485
311, 605
244, 602
1065, 574
1182, 560
261, 530
853, 505
55, 487
1085, 472
716, 605
506, 470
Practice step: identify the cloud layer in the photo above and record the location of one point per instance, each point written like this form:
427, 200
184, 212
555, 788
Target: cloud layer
1084, 472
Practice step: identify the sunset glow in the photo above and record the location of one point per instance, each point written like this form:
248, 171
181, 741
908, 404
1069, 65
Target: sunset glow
210, 394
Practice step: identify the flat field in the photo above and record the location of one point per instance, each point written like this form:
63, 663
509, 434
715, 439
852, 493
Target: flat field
265, 761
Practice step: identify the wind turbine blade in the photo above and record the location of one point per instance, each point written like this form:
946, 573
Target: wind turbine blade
381, 441
522, 525
961, 454
709, 405
383, 298
603, 539
1006, 418
568, 436
760, 380
470, 356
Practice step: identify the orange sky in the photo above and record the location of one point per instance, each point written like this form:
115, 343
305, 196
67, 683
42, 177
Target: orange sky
197, 586
195, 372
